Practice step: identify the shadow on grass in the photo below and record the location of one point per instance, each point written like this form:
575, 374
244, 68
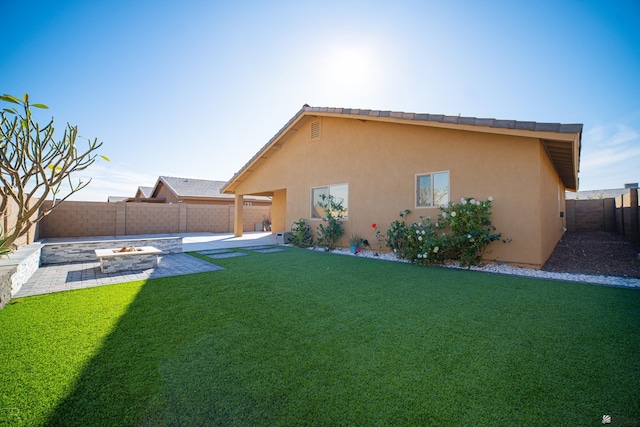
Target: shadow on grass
129, 376
330, 340
119, 381
168, 360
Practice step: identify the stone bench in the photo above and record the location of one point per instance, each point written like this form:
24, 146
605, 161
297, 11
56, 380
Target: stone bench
16, 269
115, 260
83, 250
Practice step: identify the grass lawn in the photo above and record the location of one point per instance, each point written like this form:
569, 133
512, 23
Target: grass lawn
302, 338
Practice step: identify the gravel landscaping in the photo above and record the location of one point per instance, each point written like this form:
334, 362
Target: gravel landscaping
592, 257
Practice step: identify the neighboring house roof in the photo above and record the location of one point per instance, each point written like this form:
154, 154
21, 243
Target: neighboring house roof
201, 188
561, 141
112, 199
145, 191
596, 194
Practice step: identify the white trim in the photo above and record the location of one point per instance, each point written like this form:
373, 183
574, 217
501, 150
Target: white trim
415, 188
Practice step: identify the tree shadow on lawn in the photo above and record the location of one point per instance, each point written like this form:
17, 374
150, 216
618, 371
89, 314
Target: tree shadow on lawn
174, 358
148, 361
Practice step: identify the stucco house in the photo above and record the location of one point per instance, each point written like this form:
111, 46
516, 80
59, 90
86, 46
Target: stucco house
382, 162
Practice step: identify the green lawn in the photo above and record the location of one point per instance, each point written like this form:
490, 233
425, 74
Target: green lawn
307, 338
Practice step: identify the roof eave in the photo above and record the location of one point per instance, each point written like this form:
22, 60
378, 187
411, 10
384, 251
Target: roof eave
278, 138
567, 133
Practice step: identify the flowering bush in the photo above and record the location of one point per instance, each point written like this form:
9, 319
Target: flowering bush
378, 236
461, 233
397, 234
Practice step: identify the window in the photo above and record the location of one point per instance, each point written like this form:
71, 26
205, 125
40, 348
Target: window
340, 193
432, 190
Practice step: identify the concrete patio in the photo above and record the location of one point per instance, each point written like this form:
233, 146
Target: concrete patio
63, 277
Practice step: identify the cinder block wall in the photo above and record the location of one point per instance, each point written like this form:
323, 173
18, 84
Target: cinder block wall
9, 218
152, 218
252, 215
609, 215
619, 215
77, 219
628, 215
591, 215
211, 218
87, 219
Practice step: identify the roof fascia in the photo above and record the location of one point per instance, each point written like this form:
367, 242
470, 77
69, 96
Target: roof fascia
156, 187
555, 131
166, 184
274, 143
542, 134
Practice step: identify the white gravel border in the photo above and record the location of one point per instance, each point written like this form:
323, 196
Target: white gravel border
617, 281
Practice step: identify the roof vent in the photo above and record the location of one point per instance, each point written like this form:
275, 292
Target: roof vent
315, 130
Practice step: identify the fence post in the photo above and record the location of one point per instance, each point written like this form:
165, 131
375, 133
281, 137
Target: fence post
634, 227
182, 226
623, 228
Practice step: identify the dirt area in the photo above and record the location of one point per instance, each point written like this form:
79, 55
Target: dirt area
595, 253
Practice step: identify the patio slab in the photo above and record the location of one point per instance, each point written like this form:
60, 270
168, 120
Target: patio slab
227, 255
61, 277
268, 250
215, 252
256, 248
64, 277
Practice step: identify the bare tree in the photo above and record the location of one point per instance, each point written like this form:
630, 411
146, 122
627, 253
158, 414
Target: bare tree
34, 166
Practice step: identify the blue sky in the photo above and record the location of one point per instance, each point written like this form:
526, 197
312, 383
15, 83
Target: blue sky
194, 88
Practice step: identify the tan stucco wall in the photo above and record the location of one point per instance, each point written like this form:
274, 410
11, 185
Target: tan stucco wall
279, 212
552, 197
379, 162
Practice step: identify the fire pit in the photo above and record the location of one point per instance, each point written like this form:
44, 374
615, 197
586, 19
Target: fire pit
125, 249
127, 258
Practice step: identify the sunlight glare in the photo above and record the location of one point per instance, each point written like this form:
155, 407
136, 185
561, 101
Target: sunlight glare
349, 69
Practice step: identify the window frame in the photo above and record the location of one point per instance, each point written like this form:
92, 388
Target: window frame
328, 187
432, 178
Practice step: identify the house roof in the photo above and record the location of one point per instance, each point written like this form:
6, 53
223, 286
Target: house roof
561, 141
145, 191
112, 199
190, 187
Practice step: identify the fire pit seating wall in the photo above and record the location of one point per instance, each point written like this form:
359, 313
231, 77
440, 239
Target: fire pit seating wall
131, 258
84, 251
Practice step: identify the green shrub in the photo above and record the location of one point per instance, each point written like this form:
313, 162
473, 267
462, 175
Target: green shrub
461, 233
397, 234
470, 227
301, 234
331, 230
